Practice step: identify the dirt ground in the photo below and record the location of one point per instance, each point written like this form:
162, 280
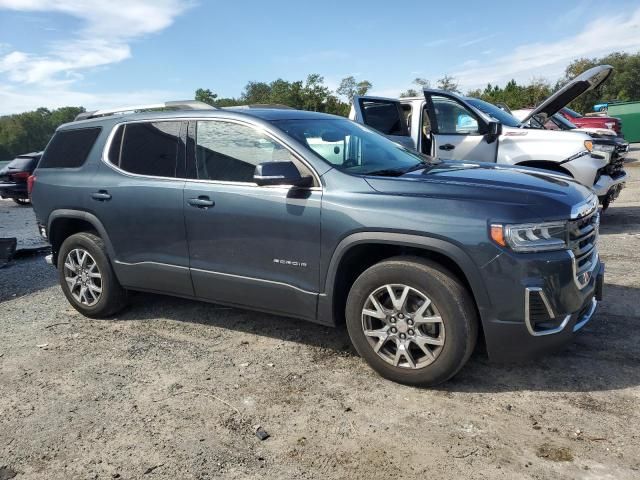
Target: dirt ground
174, 389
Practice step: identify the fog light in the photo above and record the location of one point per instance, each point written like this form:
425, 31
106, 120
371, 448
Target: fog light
43, 231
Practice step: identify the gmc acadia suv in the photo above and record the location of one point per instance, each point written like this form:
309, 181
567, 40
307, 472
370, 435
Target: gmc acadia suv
313, 216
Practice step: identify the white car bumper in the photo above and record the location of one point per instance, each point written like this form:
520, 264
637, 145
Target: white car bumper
605, 183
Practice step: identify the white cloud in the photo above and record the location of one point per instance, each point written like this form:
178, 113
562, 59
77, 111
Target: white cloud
107, 29
599, 37
476, 40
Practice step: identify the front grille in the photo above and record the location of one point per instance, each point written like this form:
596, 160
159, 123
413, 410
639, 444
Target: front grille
583, 238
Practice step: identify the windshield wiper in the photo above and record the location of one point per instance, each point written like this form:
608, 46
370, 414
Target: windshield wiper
396, 172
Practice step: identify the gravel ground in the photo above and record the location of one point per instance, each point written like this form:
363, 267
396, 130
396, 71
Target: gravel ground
20, 222
174, 389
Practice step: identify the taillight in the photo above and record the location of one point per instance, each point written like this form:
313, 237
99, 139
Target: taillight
31, 181
20, 175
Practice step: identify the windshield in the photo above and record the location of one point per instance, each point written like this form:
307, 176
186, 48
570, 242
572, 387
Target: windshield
562, 122
351, 147
573, 113
494, 112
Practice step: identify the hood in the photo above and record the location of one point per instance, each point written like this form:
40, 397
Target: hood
584, 82
505, 184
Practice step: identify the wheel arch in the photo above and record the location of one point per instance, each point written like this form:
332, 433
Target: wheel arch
63, 223
358, 251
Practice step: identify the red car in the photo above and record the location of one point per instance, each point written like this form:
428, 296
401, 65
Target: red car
592, 122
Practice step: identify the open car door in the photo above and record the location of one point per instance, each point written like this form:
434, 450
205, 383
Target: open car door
457, 131
384, 115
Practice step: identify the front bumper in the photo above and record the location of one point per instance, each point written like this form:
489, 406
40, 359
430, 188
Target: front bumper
510, 328
606, 183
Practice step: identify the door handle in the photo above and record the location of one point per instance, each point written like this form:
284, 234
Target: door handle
202, 201
101, 195
447, 146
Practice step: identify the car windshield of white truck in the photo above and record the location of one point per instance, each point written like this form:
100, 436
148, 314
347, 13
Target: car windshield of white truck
353, 148
495, 113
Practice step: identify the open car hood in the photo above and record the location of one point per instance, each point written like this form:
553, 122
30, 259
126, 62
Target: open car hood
584, 82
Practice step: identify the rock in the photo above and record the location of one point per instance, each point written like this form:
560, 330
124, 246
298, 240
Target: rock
6, 473
261, 433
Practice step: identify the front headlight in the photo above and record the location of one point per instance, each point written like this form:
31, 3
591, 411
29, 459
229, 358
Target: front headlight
603, 148
531, 237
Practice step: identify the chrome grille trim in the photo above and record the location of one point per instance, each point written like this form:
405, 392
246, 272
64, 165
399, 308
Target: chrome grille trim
582, 242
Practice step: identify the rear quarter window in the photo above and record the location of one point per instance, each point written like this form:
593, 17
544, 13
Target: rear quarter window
69, 148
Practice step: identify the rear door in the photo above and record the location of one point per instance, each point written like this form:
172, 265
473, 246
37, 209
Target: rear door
138, 196
458, 133
384, 115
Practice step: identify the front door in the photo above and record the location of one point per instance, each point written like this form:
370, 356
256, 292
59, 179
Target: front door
384, 115
458, 133
249, 245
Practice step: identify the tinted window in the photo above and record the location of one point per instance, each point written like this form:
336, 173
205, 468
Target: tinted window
230, 152
147, 148
69, 148
494, 112
24, 164
384, 116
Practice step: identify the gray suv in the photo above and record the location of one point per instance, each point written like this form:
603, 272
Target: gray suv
313, 216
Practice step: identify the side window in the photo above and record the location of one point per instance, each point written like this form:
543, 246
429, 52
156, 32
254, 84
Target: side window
229, 151
69, 148
147, 148
385, 116
452, 118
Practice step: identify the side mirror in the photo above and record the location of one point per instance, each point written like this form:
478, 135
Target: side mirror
494, 129
280, 173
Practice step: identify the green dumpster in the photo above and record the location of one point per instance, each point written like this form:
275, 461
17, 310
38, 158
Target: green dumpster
629, 114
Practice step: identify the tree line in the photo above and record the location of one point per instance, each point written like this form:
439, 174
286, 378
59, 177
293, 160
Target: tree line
30, 131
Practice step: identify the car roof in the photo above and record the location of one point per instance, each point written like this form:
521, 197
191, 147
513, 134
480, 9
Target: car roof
265, 114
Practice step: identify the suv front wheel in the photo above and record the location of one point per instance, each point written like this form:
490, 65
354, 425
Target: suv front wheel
412, 321
87, 278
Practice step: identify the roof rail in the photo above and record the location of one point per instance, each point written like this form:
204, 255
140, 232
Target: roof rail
261, 105
178, 104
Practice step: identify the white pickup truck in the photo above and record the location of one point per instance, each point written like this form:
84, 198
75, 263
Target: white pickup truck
450, 126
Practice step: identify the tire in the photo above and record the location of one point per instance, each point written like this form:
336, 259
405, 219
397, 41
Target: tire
451, 339
110, 298
23, 202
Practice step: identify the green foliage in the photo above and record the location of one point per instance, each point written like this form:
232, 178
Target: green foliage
623, 85
448, 83
513, 95
30, 131
311, 94
349, 88
412, 92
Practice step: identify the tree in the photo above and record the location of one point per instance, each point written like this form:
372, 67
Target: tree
412, 92
206, 96
31, 131
448, 83
349, 88
623, 85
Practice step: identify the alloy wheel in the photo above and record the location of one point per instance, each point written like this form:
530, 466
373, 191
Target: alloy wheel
83, 277
403, 326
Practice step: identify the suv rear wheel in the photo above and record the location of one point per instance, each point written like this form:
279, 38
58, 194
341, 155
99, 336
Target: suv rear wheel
87, 278
412, 321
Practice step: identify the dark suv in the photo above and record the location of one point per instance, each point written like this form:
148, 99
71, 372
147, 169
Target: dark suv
14, 177
313, 216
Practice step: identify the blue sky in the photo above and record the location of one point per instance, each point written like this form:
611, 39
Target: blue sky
105, 53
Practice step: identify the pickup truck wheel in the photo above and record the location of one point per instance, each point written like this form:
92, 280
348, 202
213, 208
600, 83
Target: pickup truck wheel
412, 321
87, 278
